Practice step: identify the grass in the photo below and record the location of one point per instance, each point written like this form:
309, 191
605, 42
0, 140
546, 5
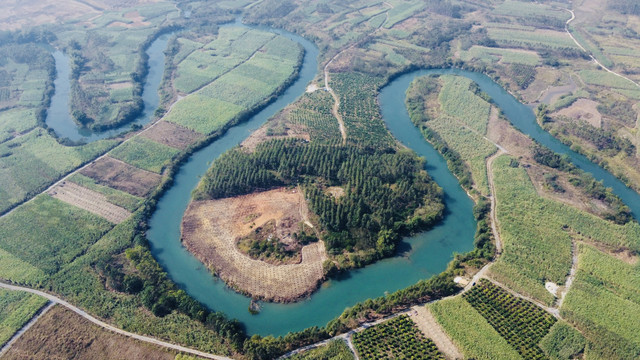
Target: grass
116, 197
398, 338
537, 233
563, 342
471, 332
16, 309
30, 163
46, 234
527, 9
604, 303
494, 55
335, 350
520, 322
145, 154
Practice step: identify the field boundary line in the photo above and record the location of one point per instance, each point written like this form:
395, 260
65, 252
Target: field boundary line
43, 310
566, 27
56, 300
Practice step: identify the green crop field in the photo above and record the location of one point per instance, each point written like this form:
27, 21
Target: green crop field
604, 303
16, 309
46, 234
537, 39
563, 342
144, 153
113, 196
30, 163
603, 78
335, 350
520, 322
16, 121
494, 55
231, 47
459, 101
398, 338
471, 332
240, 89
532, 228
402, 10
528, 9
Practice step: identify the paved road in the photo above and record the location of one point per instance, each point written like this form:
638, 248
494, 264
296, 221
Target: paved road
57, 300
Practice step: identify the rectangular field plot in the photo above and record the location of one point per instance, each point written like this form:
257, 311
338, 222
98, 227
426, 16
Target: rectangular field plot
520, 322
144, 153
528, 9
30, 163
48, 233
16, 309
202, 114
89, 200
170, 134
604, 304
471, 332
537, 38
116, 197
398, 338
121, 176
507, 56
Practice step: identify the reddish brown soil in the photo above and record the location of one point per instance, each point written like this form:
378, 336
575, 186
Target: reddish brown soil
119, 175
171, 134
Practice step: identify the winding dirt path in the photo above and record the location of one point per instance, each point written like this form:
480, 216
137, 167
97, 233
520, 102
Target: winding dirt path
56, 300
571, 276
566, 28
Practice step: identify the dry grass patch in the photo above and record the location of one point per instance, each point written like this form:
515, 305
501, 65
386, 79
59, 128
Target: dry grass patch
122, 176
211, 229
277, 128
171, 134
585, 110
62, 334
89, 200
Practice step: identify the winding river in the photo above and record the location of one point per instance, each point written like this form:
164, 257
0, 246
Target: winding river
59, 118
421, 256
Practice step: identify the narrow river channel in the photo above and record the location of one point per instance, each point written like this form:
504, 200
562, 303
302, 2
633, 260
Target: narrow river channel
59, 117
422, 255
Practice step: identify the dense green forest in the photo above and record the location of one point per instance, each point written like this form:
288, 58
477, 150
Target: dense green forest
386, 192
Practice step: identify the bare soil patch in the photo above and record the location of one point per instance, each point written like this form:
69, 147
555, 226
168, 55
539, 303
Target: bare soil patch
277, 128
171, 134
62, 334
211, 228
432, 330
120, 85
585, 110
15, 14
122, 176
335, 191
89, 200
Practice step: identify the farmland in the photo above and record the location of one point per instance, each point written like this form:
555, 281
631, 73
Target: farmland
144, 153
448, 106
241, 88
32, 162
470, 331
313, 111
563, 342
533, 227
47, 234
506, 56
335, 350
520, 322
603, 303
116, 197
16, 309
398, 338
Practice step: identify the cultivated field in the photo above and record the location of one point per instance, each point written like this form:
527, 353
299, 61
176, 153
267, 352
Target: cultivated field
211, 228
122, 176
145, 154
335, 350
16, 309
172, 135
62, 334
89, 200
